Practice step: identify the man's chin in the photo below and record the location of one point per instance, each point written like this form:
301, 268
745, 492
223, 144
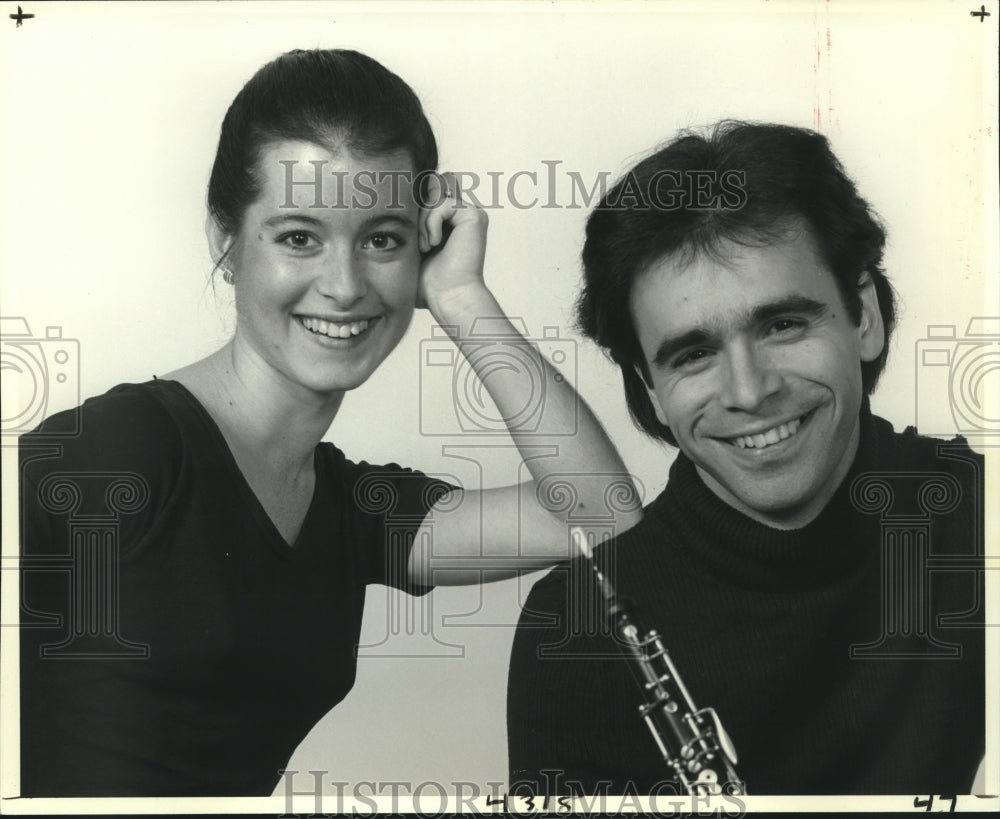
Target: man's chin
785, 503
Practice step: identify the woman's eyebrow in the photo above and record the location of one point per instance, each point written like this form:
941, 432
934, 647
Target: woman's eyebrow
380, 219
281, 219
372, 221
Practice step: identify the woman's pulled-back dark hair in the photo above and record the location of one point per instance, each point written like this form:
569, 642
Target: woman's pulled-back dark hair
321, 96
743, 182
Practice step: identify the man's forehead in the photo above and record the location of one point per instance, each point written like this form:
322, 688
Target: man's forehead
726, 282
728, 247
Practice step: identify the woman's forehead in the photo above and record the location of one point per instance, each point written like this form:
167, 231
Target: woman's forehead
296, 174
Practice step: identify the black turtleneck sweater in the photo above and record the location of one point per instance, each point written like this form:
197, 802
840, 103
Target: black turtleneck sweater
836, 666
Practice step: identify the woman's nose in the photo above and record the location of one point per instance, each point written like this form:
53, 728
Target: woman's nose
342, 279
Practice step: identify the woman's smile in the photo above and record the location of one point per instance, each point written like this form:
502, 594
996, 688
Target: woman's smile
343, 330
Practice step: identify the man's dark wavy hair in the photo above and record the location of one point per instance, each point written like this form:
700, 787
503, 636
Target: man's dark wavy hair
784, 172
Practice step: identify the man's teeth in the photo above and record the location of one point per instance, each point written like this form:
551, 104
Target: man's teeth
334, 329
769, 436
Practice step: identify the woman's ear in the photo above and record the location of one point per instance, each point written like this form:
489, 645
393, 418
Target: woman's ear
219, 242
871, 330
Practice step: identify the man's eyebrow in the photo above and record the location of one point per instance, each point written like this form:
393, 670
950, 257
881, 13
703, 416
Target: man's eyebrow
672, 345
797, 305
761, 314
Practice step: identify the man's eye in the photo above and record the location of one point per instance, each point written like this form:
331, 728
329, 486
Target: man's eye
297, 239
691, 358
383, 241
787, 325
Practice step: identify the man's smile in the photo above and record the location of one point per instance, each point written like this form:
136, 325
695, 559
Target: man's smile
768, 436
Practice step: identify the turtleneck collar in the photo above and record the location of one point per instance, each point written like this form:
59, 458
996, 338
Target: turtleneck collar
738, 549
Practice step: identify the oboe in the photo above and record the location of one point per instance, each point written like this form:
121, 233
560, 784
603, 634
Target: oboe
692, 741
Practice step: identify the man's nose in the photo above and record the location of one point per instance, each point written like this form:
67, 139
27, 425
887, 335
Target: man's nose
748, 376
342, 278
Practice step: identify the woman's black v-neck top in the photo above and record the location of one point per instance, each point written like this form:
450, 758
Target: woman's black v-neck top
172, 642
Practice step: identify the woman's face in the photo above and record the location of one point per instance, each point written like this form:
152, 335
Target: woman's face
326, 264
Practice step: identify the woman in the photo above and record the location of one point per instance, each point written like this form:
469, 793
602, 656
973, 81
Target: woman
215, 616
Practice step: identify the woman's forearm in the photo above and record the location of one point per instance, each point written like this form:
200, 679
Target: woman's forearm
541, 408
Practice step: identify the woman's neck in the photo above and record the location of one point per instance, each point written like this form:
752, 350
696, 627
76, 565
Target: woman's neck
258, 409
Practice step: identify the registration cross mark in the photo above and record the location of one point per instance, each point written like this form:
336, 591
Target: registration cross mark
982, 14
20, 16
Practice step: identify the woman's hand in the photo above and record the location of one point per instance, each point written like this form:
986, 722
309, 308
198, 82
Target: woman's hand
452, 237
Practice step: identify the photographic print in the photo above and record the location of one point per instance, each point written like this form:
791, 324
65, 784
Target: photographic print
388, 387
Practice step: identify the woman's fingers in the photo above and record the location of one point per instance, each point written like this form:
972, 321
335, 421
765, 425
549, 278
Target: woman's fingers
453, 241
444, 196
422, 241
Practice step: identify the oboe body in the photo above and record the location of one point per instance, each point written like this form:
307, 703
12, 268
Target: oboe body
692, 741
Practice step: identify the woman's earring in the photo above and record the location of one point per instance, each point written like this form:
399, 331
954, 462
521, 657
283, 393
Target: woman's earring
227, 275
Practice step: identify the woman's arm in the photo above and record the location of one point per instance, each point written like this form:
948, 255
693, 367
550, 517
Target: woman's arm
496, 533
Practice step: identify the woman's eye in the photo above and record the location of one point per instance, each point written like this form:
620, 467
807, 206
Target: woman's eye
298, 240
383, 241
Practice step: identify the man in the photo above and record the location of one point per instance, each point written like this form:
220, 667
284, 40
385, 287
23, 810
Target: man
737, 281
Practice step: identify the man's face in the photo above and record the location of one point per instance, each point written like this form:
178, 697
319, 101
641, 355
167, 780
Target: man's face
756, 368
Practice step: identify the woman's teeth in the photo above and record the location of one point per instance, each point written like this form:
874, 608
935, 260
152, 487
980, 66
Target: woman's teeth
769, 436
334, 329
